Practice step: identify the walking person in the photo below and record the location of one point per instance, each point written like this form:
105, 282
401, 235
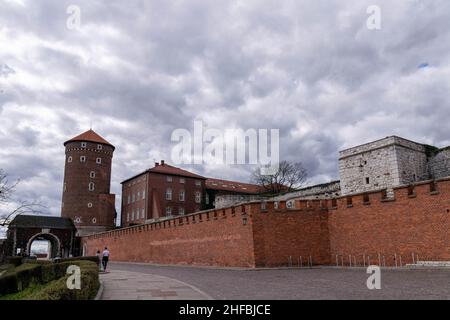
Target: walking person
105, 258
100, 262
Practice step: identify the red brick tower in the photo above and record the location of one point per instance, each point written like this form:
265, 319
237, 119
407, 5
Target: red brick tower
87, 178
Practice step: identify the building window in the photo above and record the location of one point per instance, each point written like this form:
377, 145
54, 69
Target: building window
207, 198
169, 179
83, 159
92, 174
139, 195
143, 213
90, 205
137, 214
91, 186
168, 211
83, 144
367, 180
65, 186
182, 195
94, 220
198, 183
69, 159
128, 216
182, 180
143, 194
99, 147
181, 211
169, 194
98, 160
132, 215
134, 198
198, 197
77, 219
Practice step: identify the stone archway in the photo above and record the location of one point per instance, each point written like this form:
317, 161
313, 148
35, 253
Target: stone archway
55, 243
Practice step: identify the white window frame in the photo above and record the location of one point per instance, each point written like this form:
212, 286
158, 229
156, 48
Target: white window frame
94, 220
90, 205
99, 147
91, 186
169, 194
84, 145
198, 183
132, 215
98, 160
182, 196
169, 178
168, 211
143, 194
82, 159
182, 180
92, 174
181, 211
129, 199
69, 159
128, 217
198, 197
143, 213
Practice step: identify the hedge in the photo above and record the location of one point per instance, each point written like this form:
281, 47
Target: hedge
57, 289
37, 273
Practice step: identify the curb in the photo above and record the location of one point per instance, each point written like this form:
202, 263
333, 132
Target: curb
99, 292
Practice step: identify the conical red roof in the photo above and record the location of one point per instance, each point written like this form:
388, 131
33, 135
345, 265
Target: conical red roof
89, 136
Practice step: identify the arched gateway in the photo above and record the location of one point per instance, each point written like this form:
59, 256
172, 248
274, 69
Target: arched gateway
24, 230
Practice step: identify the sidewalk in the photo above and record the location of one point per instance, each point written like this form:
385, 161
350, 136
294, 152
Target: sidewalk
125, 285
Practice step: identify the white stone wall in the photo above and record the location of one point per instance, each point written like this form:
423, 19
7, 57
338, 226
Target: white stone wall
439, 165
382, 164
228, 200
317, 192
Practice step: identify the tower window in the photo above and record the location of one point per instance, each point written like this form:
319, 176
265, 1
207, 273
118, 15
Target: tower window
91, 186
83, 159
83, 144
99, 147
94, 220
77, 219
65, 186
90, 205
92, 174
98, 160
367, 180
69, 159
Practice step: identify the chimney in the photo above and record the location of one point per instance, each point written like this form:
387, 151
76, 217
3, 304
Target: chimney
162, 162
156, 164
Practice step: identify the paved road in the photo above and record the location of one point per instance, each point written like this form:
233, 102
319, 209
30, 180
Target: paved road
317, 283
126, 285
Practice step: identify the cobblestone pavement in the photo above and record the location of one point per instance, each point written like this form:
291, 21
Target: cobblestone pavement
126, 285
316, 283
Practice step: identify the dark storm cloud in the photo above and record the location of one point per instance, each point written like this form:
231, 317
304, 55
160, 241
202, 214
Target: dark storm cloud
138, 70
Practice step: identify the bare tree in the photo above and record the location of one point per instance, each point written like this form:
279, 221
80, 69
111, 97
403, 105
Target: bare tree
288, 177
7, 190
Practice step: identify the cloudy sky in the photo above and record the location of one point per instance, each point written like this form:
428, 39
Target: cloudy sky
137, 70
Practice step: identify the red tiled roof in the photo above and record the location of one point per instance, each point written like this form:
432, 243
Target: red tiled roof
90, 136
233, 186
168, 169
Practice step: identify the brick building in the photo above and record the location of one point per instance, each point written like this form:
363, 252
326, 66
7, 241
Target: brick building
86, 197
224, 193
159, 192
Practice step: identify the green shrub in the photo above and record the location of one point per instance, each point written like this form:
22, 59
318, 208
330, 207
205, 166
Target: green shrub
16, 261
57, 289
90, 258
54, 275
8, 283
